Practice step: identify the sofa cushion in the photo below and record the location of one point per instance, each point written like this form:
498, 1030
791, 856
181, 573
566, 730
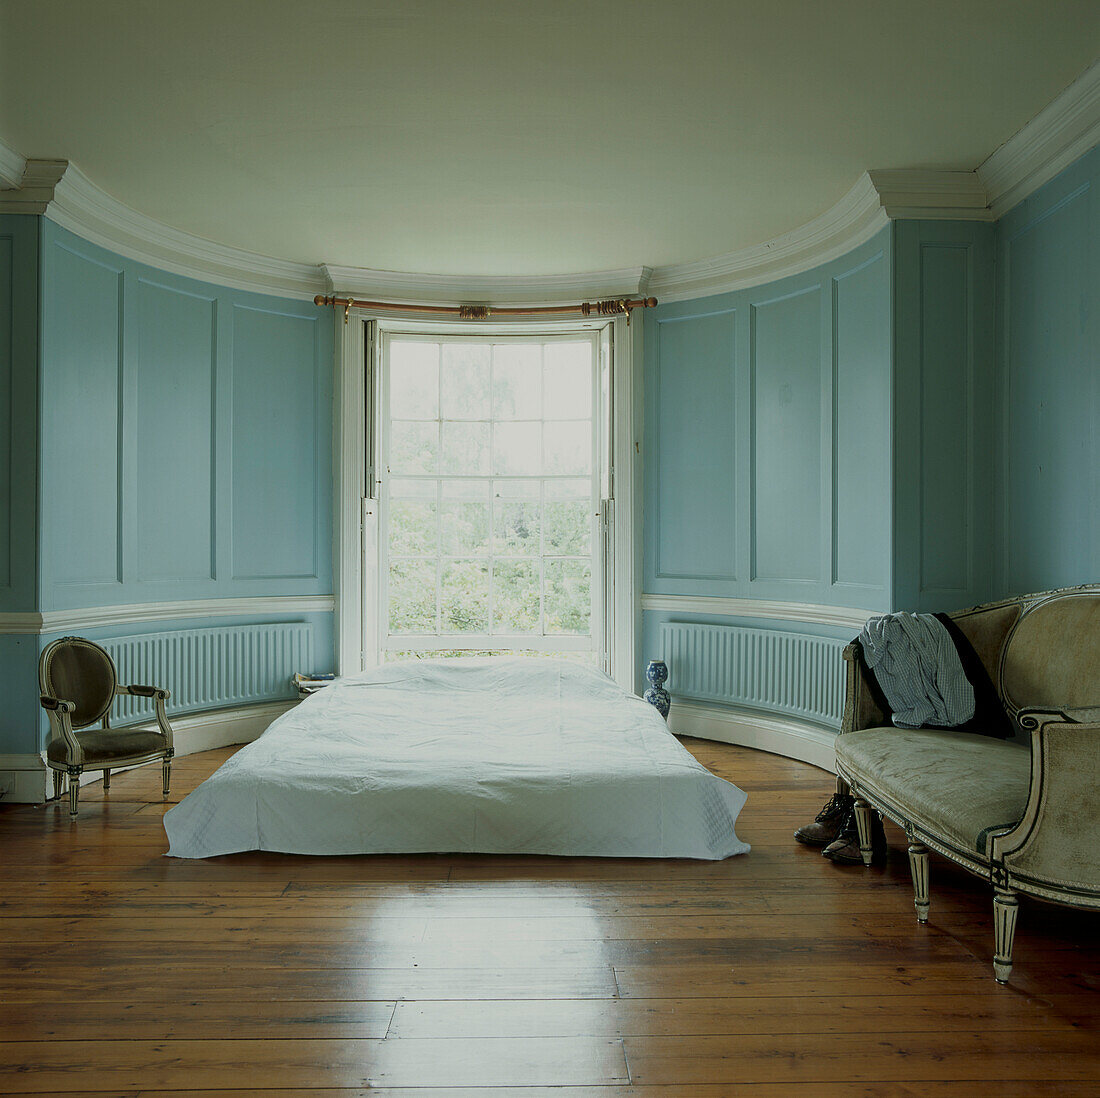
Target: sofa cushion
956, 785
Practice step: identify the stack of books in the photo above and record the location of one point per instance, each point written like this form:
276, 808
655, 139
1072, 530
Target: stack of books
310, 684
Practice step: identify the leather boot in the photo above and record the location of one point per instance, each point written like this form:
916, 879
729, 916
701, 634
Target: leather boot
844, 850
827, 823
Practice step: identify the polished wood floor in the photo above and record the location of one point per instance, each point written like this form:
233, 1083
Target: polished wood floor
775, 974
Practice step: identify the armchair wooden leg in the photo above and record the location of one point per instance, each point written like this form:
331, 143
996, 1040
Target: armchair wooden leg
58, 781
106, 780
166, 769
1005, 908
918, 867
74, 792
863, 827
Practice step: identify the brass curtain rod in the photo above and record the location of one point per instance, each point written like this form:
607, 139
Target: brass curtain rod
611, 307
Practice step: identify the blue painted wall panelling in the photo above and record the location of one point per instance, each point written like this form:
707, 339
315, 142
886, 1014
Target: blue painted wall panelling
862, 472
18, 411
943, 413
749, 461
175, 402
187, 435
694, 444
1048, 472
276, 460
82, 340
786, 412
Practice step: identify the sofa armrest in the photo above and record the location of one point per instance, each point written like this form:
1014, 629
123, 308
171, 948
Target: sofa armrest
1057, 843
861, 710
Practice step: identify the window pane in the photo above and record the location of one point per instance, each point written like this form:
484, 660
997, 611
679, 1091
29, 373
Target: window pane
413, 528
517, 381
568, 596
466, 392
515, 518
568, 381
579, 488
414, 447
465, 517
567, 447
412, 596
516, 449
414, 380
464, 597
465, 448
567, 528
515, 596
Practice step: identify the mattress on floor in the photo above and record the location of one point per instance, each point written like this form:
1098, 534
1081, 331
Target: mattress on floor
488, 755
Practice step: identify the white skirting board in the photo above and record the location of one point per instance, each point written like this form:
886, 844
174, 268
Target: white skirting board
24, 779
778, 735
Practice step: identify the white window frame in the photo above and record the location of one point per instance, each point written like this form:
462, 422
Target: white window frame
355, 494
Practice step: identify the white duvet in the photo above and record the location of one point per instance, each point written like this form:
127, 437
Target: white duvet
491, 755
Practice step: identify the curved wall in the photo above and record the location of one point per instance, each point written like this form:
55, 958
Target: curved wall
818, 449
184, 479
768, 428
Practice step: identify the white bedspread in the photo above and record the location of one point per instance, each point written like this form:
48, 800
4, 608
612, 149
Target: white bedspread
492, 755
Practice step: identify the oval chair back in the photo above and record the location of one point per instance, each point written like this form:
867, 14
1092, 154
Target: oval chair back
79, 671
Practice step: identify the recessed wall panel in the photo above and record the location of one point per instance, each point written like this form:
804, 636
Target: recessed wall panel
945, 373
174, 429
786, 420
7, 290
81, 440
694, 464
1052, 444
274, 416
861, 426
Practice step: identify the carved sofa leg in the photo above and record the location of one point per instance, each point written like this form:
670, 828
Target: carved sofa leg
918, 867
863, 827
1005, 908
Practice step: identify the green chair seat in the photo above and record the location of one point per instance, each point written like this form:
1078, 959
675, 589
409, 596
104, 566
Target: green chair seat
108, 745
954, 785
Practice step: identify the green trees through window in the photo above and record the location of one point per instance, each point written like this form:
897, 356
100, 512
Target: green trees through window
490, 495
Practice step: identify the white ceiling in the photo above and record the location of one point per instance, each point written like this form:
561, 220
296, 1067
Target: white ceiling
519, 137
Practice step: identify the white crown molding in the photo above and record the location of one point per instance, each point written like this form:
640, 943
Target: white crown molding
845, 617
1060, 133
83, 208
909, 194
1064, 130
846, 225
499, 290
93, 617
12, 166
36, 190
63, 193
763, 732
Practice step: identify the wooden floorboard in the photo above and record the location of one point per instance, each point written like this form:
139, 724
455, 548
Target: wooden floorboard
124, 972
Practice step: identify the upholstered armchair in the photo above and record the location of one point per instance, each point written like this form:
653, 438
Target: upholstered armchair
78, 685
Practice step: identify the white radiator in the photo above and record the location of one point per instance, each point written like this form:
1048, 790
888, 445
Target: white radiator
211, 668
780, 672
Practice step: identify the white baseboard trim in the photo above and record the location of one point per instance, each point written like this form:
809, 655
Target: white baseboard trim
24, 779
777, 735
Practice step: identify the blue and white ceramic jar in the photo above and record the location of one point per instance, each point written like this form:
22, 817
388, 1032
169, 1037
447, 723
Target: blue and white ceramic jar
656, 674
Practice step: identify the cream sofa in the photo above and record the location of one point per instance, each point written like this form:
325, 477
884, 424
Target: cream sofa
1023, 814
